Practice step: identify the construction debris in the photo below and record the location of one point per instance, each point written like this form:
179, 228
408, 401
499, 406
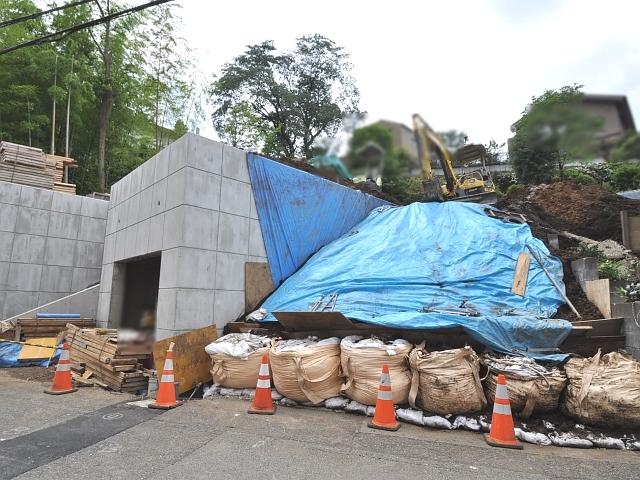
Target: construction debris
115, 365
47, 327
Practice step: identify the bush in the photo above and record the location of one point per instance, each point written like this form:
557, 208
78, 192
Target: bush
627, 149
590, 251
626, 176
613, 269
579, 176
503, 181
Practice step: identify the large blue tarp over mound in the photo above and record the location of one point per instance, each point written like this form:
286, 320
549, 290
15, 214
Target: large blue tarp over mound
430, 265
10, 351
300, 212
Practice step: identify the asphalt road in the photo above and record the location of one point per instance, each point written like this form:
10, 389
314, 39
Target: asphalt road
100, 437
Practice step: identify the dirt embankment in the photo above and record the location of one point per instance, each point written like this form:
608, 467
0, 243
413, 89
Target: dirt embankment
586, 210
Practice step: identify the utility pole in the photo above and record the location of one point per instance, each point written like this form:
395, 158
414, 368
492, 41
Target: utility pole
53, 115
65, 176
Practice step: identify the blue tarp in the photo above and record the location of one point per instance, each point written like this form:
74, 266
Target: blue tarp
300, 212
425, 266
9, 352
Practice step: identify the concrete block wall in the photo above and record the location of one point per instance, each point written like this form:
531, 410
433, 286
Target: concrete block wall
193, 203
51, 245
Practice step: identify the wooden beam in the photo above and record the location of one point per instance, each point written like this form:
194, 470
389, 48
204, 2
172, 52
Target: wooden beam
521, 274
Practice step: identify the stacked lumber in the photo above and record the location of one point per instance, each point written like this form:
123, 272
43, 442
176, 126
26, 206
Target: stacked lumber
58, 175
97, 354
25, 165
47, 327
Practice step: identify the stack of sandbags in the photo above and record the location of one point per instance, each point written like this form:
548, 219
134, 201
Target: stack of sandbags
236, 359
603, 390
362, 361
532, 387
307, 370
446, 382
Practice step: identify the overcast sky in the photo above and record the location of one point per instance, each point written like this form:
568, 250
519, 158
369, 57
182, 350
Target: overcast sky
469, 65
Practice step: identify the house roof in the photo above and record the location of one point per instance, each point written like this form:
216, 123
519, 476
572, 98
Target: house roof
621, 102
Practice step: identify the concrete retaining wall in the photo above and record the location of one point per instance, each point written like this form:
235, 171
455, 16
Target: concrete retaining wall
191, 203
51, 245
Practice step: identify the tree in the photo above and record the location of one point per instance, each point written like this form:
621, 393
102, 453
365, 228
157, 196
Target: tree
285, 100
551, 132
627, 149
394, 162
494, 152
453, 139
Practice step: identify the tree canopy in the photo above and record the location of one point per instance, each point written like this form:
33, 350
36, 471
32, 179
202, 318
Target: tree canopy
284, 101
125, 88
551, 132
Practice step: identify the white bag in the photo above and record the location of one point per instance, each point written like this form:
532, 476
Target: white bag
236, 359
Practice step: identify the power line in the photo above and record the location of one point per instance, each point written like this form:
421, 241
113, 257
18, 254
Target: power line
42, 12
55, 36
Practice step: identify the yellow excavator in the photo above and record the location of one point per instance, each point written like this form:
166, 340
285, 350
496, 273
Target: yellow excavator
473, 186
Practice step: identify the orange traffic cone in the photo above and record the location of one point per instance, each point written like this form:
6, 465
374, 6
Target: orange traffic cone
62, 382
262, 402
166, 397
502, 433
384, 417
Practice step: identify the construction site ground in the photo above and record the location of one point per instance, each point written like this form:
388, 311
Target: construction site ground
93, 434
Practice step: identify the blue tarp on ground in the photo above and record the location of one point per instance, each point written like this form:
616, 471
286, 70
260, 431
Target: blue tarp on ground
300, 212
424, 266
9, 352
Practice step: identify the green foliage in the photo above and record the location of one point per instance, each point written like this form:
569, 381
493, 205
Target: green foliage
586, 250
627, 149
613, 269
138, 44
406, 189
503, 181
494, 152
625, 176
600, 172
515, 188
390, 163
288, 99
578, 176
551, 132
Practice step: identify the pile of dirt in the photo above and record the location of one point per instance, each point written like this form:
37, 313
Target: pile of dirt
587, 210
43, 375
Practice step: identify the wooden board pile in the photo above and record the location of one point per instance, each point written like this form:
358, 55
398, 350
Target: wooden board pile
97, 355
45, 327
58, 175
25, 165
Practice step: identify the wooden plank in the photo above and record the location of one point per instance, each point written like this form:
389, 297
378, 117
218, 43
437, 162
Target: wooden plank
257, 284
46, 348
191, 364
521, 274
634, 233
316, 321
598, 292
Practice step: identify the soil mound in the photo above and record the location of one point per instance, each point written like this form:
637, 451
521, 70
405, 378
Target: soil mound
586, 210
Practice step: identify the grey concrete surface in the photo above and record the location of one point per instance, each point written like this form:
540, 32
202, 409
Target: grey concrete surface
51, 245
191, 203
218, 439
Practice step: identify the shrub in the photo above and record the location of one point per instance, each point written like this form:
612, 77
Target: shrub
579, 176
613, 269
515, 188
591, 251
503, 181
627, 149
626, 176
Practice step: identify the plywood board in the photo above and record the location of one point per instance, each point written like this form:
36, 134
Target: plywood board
40, 348
598, 292
257, 284
521, 274
191, 364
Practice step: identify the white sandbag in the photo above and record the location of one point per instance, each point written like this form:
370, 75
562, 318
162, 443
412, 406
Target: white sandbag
362, 361
532, 387
307, 370
231, 392
336, 403
435, 421
371, 411
532, 437
602, 441
275, 395
212, 391
410, 415
604, 390
236, 359
569, 440
287, 402
635, 446
466, 423
248, 392
446, 382
356, 407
